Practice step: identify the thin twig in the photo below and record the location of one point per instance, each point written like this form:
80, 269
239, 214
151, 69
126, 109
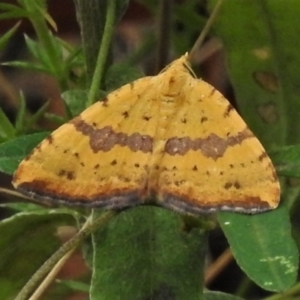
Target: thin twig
219, 264
86, 230
51, 276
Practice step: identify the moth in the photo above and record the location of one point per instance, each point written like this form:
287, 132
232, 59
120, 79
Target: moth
170, 138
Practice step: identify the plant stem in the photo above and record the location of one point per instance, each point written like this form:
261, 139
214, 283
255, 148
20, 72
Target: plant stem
86, 230
51, 276
103, 51
164, 34
205, 30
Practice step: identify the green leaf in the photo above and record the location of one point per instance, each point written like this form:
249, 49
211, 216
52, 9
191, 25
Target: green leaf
23, 206
249, 58
7, 130
11, 7
40, 54
75, 56
287, 160
45, 62
187, 16
209, 295
6, 37
34, 119
149, 254
121, 74
12, 11
263, 62
75, 100
21, 113
12, 152
263, 247
75, 285
28, 66
58, 120
27, 240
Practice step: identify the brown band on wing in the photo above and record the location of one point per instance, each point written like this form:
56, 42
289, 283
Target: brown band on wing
212, 146
104, 139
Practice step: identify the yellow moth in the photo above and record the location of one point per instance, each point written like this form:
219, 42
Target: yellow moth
170, 138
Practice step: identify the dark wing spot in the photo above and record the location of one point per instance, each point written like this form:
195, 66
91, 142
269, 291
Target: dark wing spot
50, 139
68, 174
228, 185
203, 119
212, 92
228, 110
237, 185
105, 102
114, 162
262, 156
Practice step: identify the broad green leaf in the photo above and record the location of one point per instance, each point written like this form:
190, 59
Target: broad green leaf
120, 74
75, 100
254, 58
12, 152
210, 295
145, 253
263, 247
261, 44
27, 241
287, 160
